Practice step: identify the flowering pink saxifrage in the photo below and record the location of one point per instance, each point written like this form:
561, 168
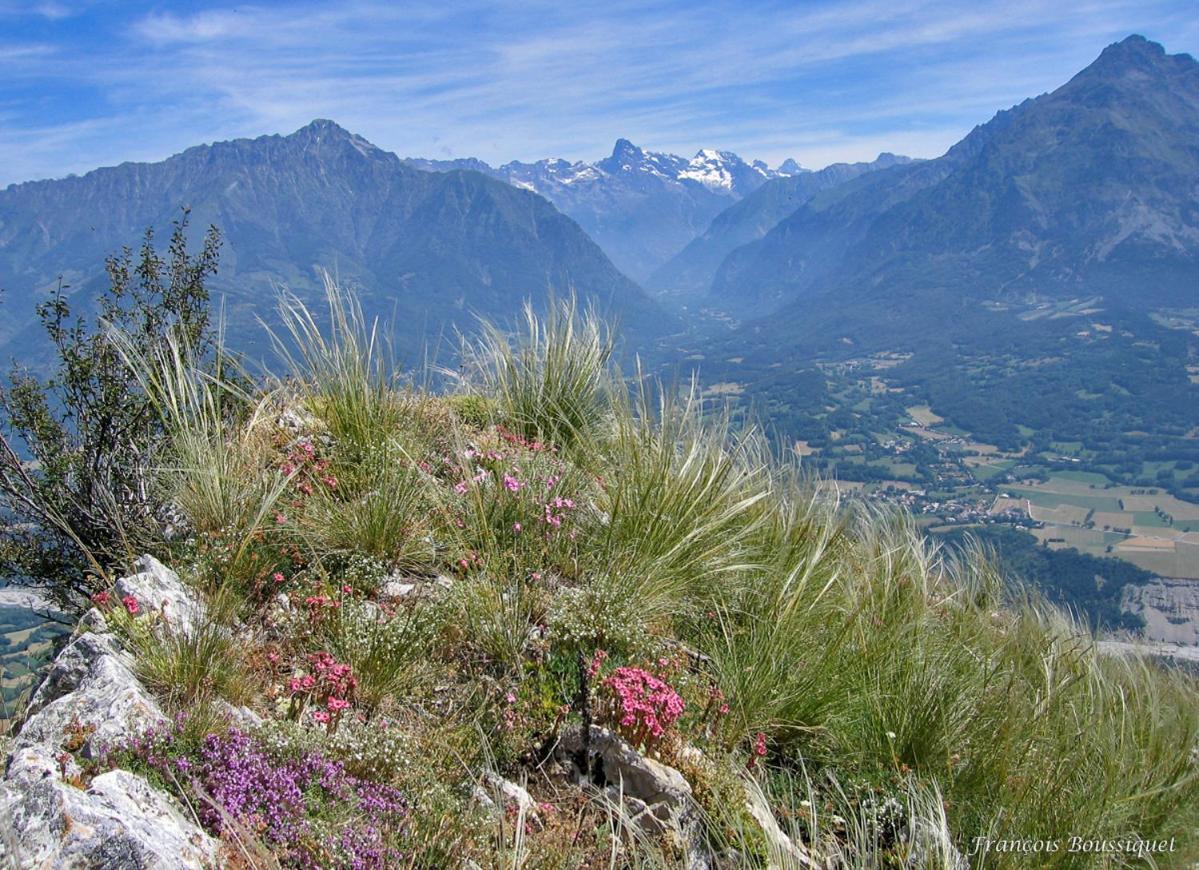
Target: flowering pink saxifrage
645, 706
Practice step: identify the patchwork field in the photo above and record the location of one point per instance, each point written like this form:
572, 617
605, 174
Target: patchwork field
1151, 529
26, 641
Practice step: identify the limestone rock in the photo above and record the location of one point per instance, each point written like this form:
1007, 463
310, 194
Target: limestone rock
90, 696
159, 590
511, 793
657, 798
782, 849
403, 586
118, 821
664, 791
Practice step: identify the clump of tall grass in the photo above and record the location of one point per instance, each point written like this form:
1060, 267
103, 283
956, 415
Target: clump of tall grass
345, 372
866, 651
388, 653
681, 500
380, 507
191, 667
213, 471
552, 382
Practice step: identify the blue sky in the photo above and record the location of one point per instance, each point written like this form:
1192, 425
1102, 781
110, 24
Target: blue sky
85, 84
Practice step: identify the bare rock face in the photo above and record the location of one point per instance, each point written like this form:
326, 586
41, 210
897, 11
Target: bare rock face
119, 821
89, 695
91, 699
656, 797
158, 590
1169, 607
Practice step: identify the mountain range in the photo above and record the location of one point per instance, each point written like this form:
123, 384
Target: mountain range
429, 250
1090, 189
1038, 281
642, 207
1064, 231
693, 268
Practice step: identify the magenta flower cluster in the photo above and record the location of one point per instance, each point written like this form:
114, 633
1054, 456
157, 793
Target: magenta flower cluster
331, 686
236, 779
644, 706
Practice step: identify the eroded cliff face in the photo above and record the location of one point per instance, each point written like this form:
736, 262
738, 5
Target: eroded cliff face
91, 699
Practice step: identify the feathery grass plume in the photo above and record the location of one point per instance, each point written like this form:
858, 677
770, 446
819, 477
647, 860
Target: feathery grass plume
890, 660
552, 382
682, 498
213, 471
778, 639
347, 374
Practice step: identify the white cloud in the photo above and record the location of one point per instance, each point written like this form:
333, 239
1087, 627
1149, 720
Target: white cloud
821, 82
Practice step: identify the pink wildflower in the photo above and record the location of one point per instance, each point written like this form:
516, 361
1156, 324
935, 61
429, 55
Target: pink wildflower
320, 716
597, 662
130, 604
280, 519
101, 598
646, 705
278, 577
516, 527
759, 750
512, 484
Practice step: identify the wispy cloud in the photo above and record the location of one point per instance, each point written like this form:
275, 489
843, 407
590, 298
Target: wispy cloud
821, 81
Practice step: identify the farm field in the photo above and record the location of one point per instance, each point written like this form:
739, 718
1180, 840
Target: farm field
1147, 527
26, 642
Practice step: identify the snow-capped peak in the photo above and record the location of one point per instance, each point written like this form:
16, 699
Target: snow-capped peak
714, 169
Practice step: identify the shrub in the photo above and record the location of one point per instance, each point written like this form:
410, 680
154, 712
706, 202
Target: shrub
89, 499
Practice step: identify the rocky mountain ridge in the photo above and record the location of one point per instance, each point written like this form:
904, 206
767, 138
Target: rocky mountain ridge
641, 206
429, 251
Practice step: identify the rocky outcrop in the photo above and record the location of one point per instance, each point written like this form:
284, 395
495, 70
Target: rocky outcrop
1170, 608
158, 590
89, 696
117, 821
90, 699
653, 796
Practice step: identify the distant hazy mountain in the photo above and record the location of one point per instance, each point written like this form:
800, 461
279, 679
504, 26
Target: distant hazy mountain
431, 248
1039, 280
691, 270
1091, 189
642, 207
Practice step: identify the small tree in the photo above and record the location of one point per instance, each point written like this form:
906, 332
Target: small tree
77, 450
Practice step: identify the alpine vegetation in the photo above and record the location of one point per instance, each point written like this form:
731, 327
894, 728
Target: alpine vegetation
552, 617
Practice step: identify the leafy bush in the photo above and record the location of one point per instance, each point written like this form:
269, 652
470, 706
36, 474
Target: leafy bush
88, 498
